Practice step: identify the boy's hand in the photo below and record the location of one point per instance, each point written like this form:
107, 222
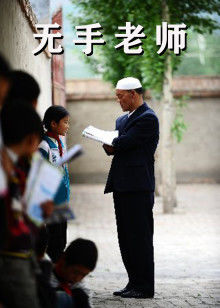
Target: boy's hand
47, 208
6, 162
109, 148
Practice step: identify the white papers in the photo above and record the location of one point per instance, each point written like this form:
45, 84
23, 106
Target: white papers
71, 154
99, 135
3, 179
42, 184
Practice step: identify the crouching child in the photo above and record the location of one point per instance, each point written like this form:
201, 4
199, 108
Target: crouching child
76, 262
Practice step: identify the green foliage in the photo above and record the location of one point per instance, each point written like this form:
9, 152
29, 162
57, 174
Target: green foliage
179, 127
115, 64
203, 55
150, 67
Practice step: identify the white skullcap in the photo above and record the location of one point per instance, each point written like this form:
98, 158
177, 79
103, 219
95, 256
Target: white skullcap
128, 83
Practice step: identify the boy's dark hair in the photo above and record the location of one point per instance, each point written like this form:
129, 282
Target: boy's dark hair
4, 68
54, 113
81, 252
23, 86
19, 120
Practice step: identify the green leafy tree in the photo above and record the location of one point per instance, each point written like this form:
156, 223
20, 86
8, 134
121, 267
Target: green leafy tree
155, 71
150, 66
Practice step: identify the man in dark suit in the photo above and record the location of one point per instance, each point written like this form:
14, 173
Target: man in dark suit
131, 179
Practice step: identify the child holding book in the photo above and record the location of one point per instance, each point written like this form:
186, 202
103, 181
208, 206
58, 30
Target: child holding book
56, 124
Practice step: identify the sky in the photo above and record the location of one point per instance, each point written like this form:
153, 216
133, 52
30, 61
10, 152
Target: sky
75, 67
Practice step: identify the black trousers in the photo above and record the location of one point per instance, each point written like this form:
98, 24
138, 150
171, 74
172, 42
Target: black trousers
56, 239
134, 218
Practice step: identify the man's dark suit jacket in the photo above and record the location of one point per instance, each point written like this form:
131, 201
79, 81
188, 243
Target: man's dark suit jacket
132, 167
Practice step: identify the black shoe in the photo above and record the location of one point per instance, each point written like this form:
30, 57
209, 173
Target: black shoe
120, 292
136, 294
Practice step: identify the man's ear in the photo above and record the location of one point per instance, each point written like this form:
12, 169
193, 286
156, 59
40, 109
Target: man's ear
133, 93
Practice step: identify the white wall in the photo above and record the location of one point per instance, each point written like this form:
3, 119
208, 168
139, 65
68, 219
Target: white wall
196, 157
17, 43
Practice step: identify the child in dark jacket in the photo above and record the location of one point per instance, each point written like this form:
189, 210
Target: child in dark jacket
21, 130
56, 123
47, 294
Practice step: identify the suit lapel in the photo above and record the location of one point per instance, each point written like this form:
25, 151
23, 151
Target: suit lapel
122, 124
136, 114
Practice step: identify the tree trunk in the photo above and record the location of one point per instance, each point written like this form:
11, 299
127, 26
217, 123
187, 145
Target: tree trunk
167, 151
157, 175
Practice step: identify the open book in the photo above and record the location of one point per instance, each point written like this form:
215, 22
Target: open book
42, 184
100, 135
3, 179
71, 154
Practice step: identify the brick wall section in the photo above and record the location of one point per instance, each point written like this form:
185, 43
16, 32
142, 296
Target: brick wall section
59, 96
27, 9
197, 86
95, 89
31, 18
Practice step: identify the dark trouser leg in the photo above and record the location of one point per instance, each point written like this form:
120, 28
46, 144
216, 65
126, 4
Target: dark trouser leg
121, 229
135, 234
56, 240
18, 287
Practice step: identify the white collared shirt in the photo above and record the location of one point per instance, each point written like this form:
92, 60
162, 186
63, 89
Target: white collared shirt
130, 113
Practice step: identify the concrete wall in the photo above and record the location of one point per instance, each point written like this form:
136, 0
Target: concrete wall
197, 156
17, 43
94, 165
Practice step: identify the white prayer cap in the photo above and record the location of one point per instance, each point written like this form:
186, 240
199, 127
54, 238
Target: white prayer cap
128, 83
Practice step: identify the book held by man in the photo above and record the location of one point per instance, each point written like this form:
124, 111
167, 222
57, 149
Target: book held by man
100, 135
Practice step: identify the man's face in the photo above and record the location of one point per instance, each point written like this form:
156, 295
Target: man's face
125, 99
75, 273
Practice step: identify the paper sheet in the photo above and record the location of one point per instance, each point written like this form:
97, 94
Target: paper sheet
3, 179
71, 154
42, 184
99, 135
